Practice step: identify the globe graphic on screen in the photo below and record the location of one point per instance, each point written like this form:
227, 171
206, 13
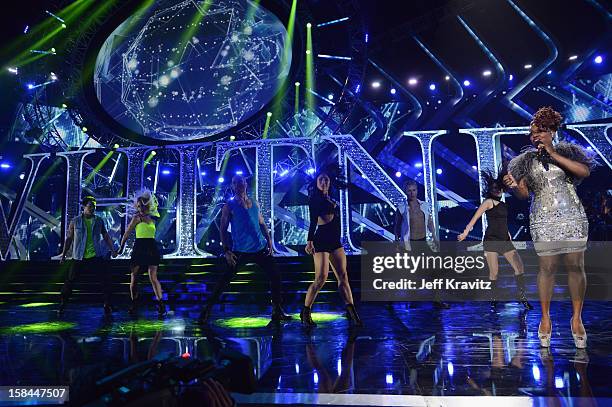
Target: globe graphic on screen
189, 70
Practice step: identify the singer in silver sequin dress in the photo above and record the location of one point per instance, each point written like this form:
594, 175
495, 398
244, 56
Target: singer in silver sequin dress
557, 219
558, 222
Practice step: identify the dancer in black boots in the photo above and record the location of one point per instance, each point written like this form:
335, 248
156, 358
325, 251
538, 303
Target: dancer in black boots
145, 253
497, 237
325, 247
88, 253
251, 244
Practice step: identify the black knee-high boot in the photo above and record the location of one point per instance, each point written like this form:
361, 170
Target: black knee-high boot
493, 294
521, 291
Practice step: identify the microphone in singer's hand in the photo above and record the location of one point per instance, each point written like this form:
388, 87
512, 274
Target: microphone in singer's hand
542, 155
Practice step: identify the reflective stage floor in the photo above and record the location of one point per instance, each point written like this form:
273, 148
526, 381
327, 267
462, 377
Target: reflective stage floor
405, 355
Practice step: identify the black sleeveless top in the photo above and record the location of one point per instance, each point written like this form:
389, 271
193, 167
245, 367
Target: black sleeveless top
318, 205
497, 221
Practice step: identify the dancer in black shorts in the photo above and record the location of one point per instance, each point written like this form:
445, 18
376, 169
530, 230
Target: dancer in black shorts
325, 247
497, 239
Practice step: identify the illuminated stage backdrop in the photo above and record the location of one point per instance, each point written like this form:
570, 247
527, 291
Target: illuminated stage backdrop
349, 150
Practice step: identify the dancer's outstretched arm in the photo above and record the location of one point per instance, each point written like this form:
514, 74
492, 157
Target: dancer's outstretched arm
485, 206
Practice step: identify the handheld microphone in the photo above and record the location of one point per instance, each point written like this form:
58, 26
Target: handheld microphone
542, 156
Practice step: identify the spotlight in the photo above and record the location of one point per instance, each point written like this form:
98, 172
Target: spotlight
307, 52
573, 58
53, 76
398, 174
64, 106
297, 84
439, 171
13, 70
165, 172
284, 172
528, 66
84, 129
376, 84
21, 176
30, 86
511, 77
598, 59
418, 165
393, 91
412, 81
549, 72
269, 114
5, 165
115, 146
466, 83
232, 138
239, 172
389, 378
308, 25
153, 153
203, 173
330, 96
447, 78
221, 180
432, 86
311, 170
474, 167
486, 73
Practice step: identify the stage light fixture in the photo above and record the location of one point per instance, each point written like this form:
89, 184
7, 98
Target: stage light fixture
528, 66
269, 114
5, 165
398, 174
84, 129
447, 78
21, 176
13, 70
439, 171
432, 86
466, 83
412, 81
486, 73
165, 172
598, 59
311, 170
376, 84
511, 77
573, 58
549, 72
330, 96
221, 180
239, 172
115, 146
232, 138
393, 91
203, 173
297, 84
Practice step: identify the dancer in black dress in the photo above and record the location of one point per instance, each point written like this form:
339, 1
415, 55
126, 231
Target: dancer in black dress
497, 239
325, 247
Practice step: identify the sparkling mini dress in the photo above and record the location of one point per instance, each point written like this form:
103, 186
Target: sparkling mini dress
557, 219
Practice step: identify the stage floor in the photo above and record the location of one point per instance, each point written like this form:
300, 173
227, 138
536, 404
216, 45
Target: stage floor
405, 355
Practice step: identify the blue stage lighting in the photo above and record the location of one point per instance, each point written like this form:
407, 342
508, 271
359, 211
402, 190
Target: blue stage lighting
466, 83
5, 165
511, 77
398, 174
598, 59
221, 180
393, 91
239, 172
311, 170
432, 86
389, 378
203, 173
418, 165
439, 171
165, 172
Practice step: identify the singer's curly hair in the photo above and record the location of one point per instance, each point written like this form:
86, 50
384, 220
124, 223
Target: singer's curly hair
547, 118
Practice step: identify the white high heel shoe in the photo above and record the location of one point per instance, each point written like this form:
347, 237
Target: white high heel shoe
544, 338
580, 341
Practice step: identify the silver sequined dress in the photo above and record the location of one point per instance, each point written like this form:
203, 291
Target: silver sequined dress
557, 219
